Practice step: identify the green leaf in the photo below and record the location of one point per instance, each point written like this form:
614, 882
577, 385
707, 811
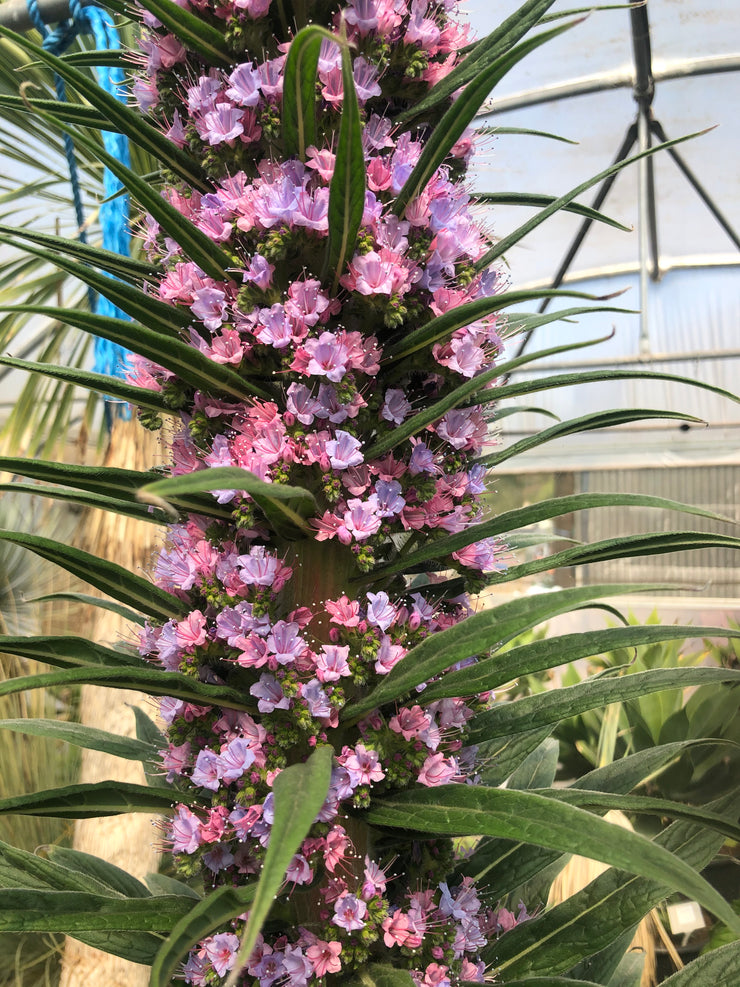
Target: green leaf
75, 911
67, 651
21, 869
347, 188
643, 804
108, 577
450, 128
196, 33
472, 636
491, 673
435, 410
468, 810
195, 244
81, 736
548, 982
522, 131
538, 769
299, 90
590, 920
499, 758
106, 384
93, 601
549, 707
75, 113
105, 798
116, 879
124, 119
150, 680
126, 268
590, 377
718, 968
502, 246
278, 500
538, 201
521, 517
628, 546
584, 423
459, 316
123, 507
482, 53
146, 309
192, 366
162, 884
380, 975
299, 793
147, 730
209, 915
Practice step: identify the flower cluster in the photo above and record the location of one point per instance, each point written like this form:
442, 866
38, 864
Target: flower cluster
300, 621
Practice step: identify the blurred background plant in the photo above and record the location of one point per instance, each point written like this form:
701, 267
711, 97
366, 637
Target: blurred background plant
30, 762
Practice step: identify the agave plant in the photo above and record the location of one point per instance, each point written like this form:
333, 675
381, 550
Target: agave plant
320, 317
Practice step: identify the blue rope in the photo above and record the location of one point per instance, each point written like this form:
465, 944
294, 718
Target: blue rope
110, 358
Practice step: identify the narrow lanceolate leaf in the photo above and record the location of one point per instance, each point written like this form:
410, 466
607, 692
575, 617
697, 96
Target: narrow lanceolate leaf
469, 810
464, 395
347, 188
108, 577
282, 504
630, 546
299, 793
522, 131
75, 113
381, 975
92, 601
299, 90
123, 507
498, 759
494, 672
442, 327
71, 912
717, 968
192, 366
165, 319
81, 736
510, 864
505, 244
450, 128
600, 801
66, 651
441, 548
209, 915
153, 681
105, 798
124, 119
66, 870
195, 244
195, 33
114, 880
590, 377
585, 423
482, 54
593, 918
113, 387
473, 636
550, 707
540, 201
126, 268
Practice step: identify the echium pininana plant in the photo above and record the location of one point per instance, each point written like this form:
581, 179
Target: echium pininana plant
302, 623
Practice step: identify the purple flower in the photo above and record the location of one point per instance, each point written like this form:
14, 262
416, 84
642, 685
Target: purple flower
269, 693
344, 451
380, 611
395, 407
210, 307
221, 950
185, 831
222, 124
316, 699
206, 772
244, 85
349, 912
235, 759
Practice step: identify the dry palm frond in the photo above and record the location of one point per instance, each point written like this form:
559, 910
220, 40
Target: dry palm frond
580, 871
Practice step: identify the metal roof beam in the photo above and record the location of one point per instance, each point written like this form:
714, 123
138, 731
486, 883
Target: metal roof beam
617, 79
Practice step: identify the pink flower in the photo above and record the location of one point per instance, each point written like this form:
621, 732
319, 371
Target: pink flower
437, 770
185, 831
363, 765
324, 957
221, 950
